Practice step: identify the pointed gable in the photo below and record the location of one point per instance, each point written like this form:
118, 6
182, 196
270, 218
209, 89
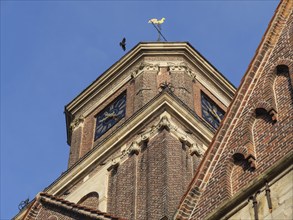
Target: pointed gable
254, 142
50, 207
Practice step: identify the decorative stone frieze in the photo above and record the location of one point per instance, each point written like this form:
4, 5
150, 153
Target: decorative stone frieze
196, 147
181, 67
176, 66
149, 66
164, 123
143, 66
164, 59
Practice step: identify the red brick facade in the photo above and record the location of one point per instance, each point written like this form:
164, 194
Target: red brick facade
257, 131
152, 181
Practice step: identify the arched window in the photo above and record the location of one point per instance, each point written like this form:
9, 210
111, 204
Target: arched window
90, 200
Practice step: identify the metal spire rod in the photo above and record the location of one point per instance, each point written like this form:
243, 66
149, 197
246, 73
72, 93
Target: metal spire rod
157, 24
159, 31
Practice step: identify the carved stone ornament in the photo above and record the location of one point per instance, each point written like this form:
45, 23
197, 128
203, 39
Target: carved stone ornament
164, 123
143, 66
114, 164
134, 73
135, 70
182, 66
134, 148
145, 137
148, 66
191, 73
183, 138
194, 149
176, 66
77, 122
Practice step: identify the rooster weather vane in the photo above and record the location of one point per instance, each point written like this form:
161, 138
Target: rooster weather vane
157, 24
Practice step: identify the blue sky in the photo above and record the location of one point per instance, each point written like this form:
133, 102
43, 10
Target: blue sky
52, 50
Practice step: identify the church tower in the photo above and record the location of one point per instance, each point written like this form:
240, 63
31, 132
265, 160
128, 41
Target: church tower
138, 133
143, 140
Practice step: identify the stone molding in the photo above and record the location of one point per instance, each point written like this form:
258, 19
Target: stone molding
142, 67
195, 146
181, 67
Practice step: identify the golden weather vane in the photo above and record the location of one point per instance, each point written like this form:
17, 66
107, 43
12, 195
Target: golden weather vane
157, 24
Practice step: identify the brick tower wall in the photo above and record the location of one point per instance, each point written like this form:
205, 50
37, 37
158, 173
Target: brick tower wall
150, 185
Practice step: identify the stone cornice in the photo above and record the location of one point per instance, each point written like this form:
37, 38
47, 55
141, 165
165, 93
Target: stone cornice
132, 64
154, 49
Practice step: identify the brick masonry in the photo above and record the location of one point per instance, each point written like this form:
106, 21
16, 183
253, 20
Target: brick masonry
260, 130
149, 185
90, 200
